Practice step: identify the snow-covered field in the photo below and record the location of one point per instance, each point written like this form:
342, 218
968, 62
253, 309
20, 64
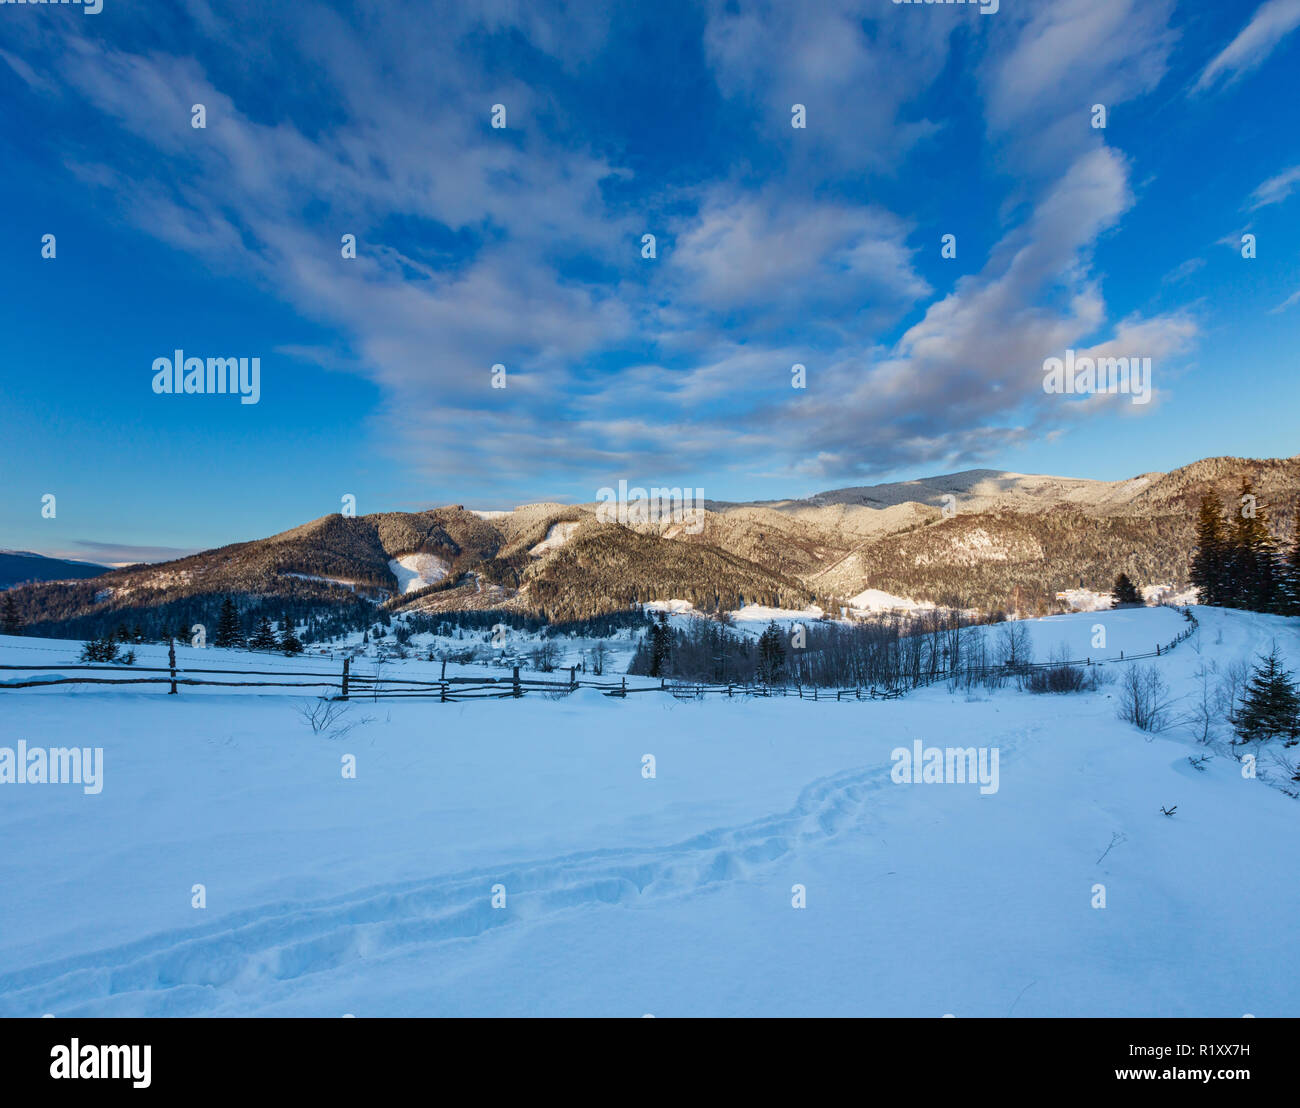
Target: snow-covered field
626, 894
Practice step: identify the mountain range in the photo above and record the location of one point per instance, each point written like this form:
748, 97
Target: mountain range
979, 539
18, 567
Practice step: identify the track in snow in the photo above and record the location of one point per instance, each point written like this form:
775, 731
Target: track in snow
189, 970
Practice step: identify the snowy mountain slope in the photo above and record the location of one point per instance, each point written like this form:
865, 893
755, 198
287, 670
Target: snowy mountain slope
982, 539
672, 895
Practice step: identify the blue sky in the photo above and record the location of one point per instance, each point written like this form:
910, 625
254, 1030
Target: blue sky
522, 246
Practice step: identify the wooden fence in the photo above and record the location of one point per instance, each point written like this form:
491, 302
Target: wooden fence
381, 685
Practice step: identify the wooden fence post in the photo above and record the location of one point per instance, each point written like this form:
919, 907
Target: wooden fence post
171, 662
624, 688
346, 663
442, 693
443, 676
573, 677
516, 691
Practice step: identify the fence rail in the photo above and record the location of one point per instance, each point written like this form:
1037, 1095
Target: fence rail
383, 685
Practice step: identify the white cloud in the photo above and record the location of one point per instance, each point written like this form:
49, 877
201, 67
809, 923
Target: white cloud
1268, 26
1275, 189
745, 250
1294, 298
1040, 83
852, 64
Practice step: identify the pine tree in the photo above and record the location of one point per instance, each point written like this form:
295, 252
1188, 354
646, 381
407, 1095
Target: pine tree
229, 632
660, 646
1290, 571
1270, 705
264, 637
1209, 570
1253, 559
771, 653
1125, 594
10, 622
289, 642
100, 650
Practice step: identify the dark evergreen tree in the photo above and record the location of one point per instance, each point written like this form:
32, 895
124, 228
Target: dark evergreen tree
771, 653
10, 622
103, 649
229, 631
1253, 558
289, 642
1270, 706
1290, 571
1125, 594
660, 646
1209, 562
264, 637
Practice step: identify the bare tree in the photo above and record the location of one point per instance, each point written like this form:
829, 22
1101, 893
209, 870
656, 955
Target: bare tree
1144, 699
1231, 687
333, 718
1204, 713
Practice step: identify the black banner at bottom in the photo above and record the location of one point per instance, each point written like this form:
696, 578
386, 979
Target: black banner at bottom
342, 1056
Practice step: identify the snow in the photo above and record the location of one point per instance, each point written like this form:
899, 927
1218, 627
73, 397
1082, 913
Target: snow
556, 536
352, 585
675, 607
877, 600
759, 613
416, 571
628, 894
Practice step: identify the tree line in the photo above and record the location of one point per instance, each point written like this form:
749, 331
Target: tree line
1238, 563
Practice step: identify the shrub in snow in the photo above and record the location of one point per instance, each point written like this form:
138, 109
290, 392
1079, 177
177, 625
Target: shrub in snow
100, 650
1144, 699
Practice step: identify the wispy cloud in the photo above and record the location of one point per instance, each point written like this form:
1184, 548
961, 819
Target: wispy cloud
1290, 301
521, 246
1270, 24
1275, 189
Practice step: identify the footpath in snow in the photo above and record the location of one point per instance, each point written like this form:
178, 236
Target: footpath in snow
517, 857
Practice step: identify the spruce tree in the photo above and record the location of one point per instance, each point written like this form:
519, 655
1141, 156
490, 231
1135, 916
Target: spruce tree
229, 632
264, 637
10, 622
1253, 559
660, 646
1270, 705
1208, 570
1290, 571
1125, 594
771, 653
289, 642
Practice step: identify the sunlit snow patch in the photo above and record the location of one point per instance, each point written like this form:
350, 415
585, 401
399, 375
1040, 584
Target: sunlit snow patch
416, 571
558, 535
